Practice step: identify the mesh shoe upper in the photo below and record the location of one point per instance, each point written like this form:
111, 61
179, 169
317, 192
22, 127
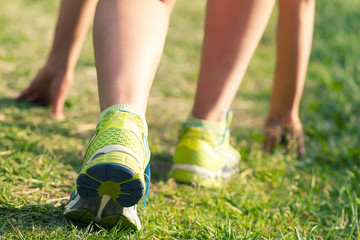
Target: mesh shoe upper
120, 128
200, 156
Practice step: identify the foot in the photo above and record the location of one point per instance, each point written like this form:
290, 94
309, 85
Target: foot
114, 166
201, 159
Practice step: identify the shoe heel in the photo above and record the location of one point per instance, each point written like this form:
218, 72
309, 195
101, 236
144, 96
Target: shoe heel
112, 179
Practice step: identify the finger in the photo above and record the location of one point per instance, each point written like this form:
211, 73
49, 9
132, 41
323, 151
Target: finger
33, 97
58, 103
59, 94
31, 89
269, 143
58, 115
58, 110
272, 137
23, 94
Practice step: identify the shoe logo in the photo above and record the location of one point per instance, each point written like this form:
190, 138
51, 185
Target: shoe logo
146, 146
93, 136
225, 155
98, 132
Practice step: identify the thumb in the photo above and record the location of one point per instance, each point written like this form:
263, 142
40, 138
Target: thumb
57, 105
59, 92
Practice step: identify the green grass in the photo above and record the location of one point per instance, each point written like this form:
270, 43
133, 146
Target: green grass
273, 197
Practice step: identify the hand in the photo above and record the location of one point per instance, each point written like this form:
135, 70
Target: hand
50, 87
287, 135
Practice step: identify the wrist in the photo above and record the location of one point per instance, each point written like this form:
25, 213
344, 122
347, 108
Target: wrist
60, 62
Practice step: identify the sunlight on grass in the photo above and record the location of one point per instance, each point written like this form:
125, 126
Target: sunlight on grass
274, 196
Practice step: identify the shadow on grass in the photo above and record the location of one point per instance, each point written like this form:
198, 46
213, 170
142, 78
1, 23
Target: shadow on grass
40, 218
22, 105
19, 144
160, 166
29, 217
22, 132
5, 102
20, 123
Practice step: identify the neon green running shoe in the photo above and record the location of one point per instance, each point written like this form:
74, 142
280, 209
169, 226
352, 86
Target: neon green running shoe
115, 170
202, 160
102, 210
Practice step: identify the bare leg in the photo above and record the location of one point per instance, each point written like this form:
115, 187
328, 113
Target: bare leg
129, 37
53, 81
295, 31
232, 32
